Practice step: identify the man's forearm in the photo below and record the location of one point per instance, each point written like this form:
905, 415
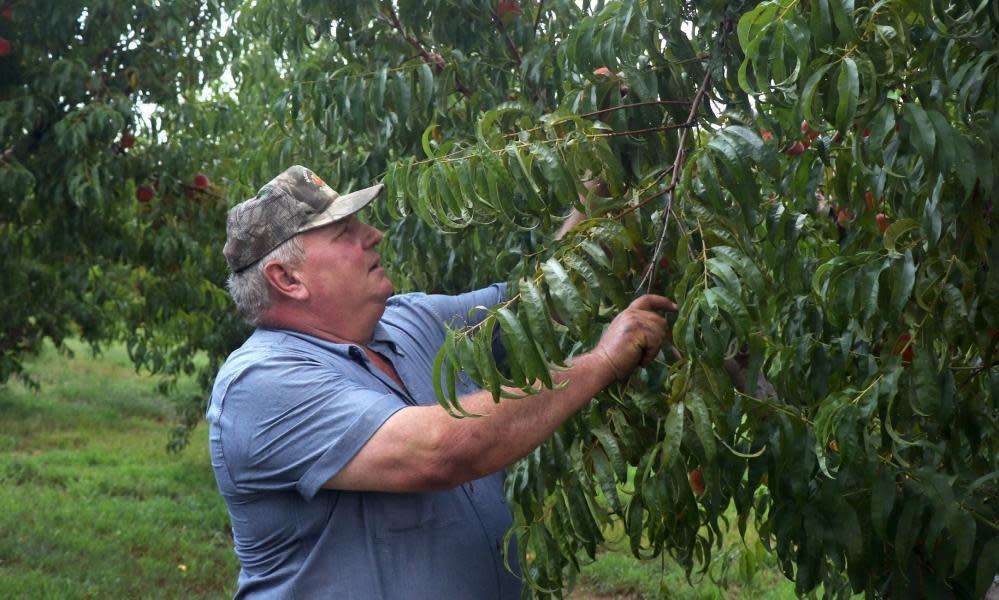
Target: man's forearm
512, 428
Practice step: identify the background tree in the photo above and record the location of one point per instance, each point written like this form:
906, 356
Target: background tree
811, 181
97, 205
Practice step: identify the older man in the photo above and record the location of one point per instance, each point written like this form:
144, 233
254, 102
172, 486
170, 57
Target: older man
343, 477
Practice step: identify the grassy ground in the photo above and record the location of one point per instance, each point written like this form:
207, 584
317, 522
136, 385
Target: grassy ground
737, 570
619, 576
92, 506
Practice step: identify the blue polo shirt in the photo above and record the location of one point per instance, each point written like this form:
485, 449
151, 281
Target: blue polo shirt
289, 410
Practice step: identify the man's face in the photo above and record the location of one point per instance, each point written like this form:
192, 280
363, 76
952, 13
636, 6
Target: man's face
342, 269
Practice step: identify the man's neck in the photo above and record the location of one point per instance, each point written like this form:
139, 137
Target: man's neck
337, 328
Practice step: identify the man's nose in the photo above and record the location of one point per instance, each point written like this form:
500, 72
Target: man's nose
372, 235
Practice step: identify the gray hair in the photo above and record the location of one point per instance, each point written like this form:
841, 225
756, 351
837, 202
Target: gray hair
249, 288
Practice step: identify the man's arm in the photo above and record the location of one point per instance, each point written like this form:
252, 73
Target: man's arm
424, 448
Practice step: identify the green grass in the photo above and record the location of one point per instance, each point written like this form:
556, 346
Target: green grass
738, 570
91, 504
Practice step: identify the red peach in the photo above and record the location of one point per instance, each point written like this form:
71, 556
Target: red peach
696, 482
795, 149
144, 193
200, 181
882, 221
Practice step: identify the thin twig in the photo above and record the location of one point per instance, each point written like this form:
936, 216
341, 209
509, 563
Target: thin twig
427, 56
649, 278
633, 105
537, 17
687, 125
645, 201
506, 36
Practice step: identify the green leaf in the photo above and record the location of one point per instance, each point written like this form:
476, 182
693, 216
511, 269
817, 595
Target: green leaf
633, 525
568, 302
613, 450
403, 97
921, 131
842, 12
848, 88
926, 394
724, 300
521, 349
586, 270
439, 375
882, 501
425, 141
808, 91
752, 23
932, 220
703, 426
605, 478
672, 434
909, 529
532, 304
849, 532
870, 287
896, 231
425, 89
379, 99
521, 171
962, 531
904, 279
752, 145
610, 282
483, 356
820, 23
744, 266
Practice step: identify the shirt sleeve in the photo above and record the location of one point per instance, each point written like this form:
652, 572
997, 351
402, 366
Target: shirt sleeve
457, 311
293, 423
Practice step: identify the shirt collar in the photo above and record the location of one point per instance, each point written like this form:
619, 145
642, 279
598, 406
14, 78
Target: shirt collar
382, 336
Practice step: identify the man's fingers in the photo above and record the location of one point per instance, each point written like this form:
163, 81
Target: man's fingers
653, 302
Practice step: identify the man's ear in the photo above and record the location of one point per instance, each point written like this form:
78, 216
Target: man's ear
285, 281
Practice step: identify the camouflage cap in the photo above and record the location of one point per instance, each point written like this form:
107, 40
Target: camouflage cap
297, 200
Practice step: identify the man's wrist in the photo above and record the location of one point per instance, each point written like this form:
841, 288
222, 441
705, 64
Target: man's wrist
607, 369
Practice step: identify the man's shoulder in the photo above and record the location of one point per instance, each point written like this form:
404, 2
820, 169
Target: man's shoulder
274, 353
444, 307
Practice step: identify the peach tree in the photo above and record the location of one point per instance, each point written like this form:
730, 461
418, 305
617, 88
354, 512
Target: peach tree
811, 181
97, 207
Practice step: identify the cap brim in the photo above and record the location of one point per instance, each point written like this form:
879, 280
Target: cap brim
343, 207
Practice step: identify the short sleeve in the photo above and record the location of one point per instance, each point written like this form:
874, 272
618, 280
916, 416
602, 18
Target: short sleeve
454, 310
290, 422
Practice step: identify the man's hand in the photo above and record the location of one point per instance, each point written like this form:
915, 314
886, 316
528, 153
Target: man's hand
635, 335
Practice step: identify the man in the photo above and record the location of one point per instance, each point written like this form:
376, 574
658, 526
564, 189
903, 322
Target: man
342, 475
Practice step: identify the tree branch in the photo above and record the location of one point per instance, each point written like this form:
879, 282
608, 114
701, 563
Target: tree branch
633, 105
537, 17
427, 56
506, 36
681, 153
686, 125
